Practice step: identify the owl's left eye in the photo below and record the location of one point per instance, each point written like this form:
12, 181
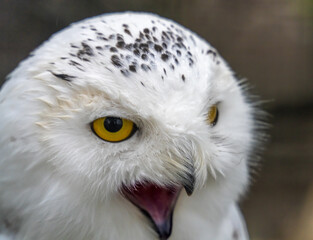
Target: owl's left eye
113, 129
212, 115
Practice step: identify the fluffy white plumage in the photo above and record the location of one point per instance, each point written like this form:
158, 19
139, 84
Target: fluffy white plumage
58, 180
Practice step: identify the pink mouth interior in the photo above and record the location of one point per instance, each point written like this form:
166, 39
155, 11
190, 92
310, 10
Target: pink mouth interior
158, 202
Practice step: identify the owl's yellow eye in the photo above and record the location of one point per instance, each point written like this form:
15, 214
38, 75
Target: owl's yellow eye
212, 115
113, 129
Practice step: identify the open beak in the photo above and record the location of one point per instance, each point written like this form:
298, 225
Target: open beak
157, 203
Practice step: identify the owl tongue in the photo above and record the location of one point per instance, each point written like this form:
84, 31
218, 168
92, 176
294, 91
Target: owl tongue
156, 202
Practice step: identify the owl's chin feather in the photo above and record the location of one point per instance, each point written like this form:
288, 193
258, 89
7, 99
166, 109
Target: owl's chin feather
156, 202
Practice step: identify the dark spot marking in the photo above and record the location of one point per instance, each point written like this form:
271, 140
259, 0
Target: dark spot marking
172, 66
103, 38
125, 72
73, 63
112, 36
146, 30
211, 52
164, 57
129, 46
73, 46
158, 48
165, 35
63, 58
62, 76
144, 56
136, 52
164, 45
87, 50
142, 84
128, 32
164, 70
125, 25
190, 62
183, 77
179, 39
99, 48
116, 61
145, 67
120, 44
113, 49
178, 53
132, 68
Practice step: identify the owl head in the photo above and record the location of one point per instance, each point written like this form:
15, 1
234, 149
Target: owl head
129, 112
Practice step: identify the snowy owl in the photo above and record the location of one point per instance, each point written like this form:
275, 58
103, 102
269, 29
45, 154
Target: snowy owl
124, 126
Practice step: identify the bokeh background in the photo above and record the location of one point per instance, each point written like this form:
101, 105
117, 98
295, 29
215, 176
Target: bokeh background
269, 42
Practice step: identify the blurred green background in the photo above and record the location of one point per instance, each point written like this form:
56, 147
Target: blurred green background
270, 42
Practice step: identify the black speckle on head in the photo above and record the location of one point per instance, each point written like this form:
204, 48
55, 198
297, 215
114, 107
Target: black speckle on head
112, 36
129, 46
176, 61
113, 49
164, 70
125, 72
211, 52
125, 25
86, 49
179, 39
183, 77
190, 62
165, 35
99, 33
142, 84
103, 38
158, 48
132, 68
147, 36
141, 35
172, 66
73, 46
99, 48
146, 30
164, 57
120, 44
63, 58
136, 52
116, 61
128, 32
64, 77
164, 45
178, 53
145, 67
144, 56
154, 29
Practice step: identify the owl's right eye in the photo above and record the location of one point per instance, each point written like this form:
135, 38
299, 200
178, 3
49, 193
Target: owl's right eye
113, 129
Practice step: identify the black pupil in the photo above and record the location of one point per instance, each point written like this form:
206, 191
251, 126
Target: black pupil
113, 124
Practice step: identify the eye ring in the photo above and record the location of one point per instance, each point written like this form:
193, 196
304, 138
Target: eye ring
213, 115
113, 129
